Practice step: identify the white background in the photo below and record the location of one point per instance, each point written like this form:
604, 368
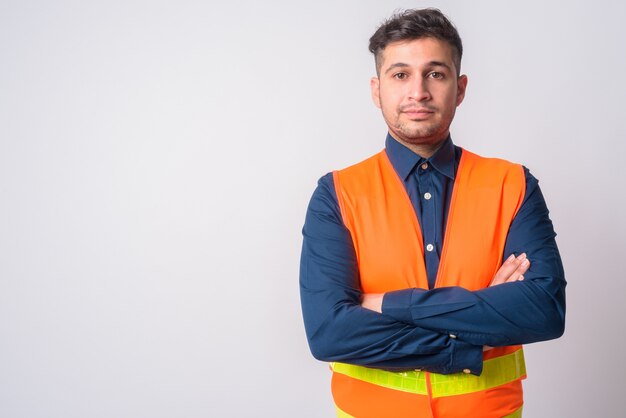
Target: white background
156, 161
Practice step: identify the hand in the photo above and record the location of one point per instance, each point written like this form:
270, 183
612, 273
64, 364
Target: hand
373, 301
512, 270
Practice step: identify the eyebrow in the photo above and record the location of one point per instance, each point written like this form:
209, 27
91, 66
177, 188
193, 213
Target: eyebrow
439, 64
430, 64
396, 65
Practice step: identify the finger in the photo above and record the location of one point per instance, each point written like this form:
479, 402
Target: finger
508, 267
518, 274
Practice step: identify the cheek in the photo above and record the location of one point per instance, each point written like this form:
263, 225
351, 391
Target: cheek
451, 98
391, 98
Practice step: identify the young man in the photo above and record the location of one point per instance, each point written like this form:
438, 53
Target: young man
403, 284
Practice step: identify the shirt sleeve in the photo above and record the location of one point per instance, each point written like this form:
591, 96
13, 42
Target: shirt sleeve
511, 313
338, 328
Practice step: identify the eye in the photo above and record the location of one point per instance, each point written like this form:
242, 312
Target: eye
436, 75
400, 76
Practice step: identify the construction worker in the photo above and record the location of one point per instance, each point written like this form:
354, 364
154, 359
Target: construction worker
425, 267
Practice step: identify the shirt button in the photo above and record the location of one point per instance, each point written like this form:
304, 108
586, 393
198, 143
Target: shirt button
424, 166
467, 371
453, 336
427, 196
430, 247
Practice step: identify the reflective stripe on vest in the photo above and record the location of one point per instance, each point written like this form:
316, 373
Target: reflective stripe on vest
496, 372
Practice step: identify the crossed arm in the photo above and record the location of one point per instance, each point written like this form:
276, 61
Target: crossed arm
512, 270
415, 326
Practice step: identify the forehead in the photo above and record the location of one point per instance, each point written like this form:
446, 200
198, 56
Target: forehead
417, 52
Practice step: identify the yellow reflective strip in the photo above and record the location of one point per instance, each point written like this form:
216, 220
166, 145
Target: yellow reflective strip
496, 372
410, 381
341, 414
516, 414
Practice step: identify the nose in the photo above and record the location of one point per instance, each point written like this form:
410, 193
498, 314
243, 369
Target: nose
418, 90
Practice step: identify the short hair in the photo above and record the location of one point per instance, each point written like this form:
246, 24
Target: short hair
415, 24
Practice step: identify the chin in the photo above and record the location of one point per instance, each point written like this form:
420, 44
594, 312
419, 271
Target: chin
419, 135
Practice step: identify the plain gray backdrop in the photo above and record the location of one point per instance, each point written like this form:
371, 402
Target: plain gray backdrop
157, 158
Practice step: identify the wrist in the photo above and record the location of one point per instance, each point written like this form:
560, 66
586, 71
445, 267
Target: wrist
373, 301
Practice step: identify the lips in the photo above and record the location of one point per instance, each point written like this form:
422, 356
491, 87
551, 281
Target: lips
418, 112
423, 110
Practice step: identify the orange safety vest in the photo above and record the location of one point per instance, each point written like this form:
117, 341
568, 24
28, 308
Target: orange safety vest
390, 253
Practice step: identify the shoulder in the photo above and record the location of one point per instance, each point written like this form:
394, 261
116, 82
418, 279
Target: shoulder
492, 170
510, 175
362, 166
325, 194
491, 162
359, 179
506, 167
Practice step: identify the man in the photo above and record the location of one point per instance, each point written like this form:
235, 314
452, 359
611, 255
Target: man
403, 285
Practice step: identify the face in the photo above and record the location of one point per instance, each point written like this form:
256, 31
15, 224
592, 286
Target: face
418, 90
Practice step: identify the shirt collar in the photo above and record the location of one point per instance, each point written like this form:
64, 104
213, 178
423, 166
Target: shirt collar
404, 160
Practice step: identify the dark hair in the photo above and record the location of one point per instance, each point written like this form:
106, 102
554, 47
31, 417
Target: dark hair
416, 24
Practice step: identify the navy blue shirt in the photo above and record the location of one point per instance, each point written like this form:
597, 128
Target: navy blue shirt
428, 182
441, 330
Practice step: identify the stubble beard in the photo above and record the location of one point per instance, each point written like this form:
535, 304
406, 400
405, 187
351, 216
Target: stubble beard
418, 132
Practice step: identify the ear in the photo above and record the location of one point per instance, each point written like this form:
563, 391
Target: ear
461, 85
375, 88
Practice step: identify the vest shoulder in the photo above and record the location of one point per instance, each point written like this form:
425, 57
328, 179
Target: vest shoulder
361, 179
491, 163
493, 173
489, 160
362, 167
362, 164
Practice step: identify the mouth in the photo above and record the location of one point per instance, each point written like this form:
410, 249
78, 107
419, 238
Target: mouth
418, 113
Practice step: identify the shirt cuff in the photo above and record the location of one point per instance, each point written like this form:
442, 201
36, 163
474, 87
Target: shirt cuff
397, 305
466, 358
